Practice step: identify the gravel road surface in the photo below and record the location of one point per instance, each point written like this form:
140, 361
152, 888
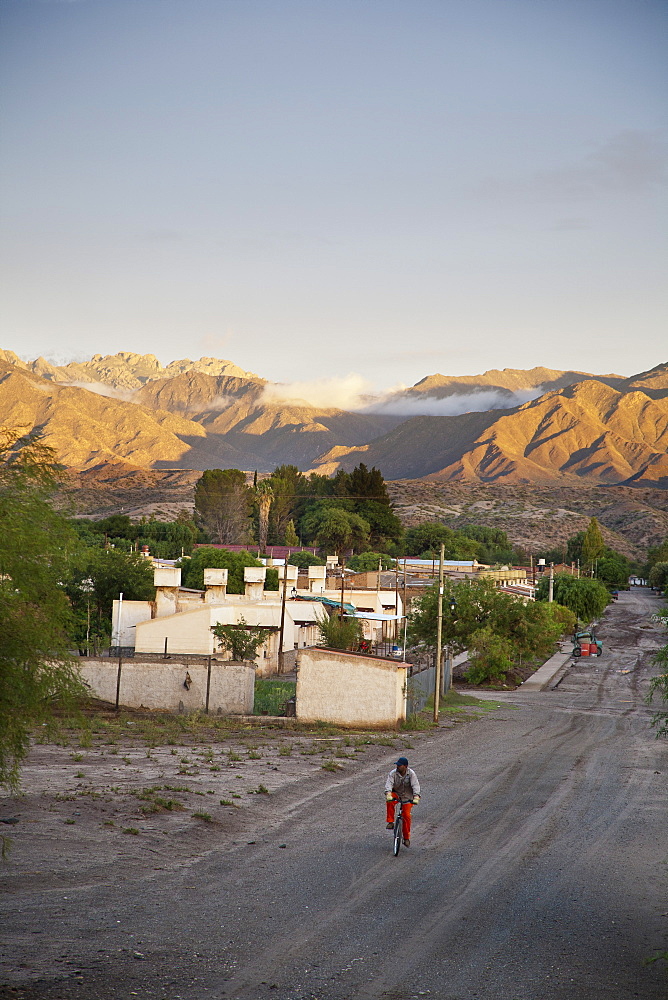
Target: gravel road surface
537, 871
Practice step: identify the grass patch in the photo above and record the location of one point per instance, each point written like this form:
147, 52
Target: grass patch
331, 765
453, 700
272, 695
204, 816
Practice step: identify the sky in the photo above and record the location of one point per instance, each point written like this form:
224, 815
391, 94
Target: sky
336, 189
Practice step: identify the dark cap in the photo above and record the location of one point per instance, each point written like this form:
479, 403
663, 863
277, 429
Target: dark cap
402, 760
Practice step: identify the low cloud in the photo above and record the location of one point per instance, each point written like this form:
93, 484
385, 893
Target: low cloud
217, 403
102, 389
352, 392
452, 405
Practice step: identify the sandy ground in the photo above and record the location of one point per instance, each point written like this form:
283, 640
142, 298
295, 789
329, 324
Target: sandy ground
126, 806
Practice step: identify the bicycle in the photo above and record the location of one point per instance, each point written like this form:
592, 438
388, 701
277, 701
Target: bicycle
398, 827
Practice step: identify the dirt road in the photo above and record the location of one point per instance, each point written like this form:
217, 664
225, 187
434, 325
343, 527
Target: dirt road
537, 871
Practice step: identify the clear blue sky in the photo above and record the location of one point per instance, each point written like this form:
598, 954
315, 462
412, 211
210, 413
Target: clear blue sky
317, 187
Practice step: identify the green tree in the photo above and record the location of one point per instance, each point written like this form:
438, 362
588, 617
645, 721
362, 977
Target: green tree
528, 629
368, 562
289, 486
36, 670
426, 539
340, 633
263, 497
94, 580
336, 530
586, 598
223, 503
490, 657
192, 569
593, 545
613, 570
242, 640
658, 576
290, 535
305, 559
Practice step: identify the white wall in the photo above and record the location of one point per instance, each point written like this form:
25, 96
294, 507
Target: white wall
349, 689
159, 684
132, 612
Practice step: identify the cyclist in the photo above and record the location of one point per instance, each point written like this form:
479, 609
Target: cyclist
402, 785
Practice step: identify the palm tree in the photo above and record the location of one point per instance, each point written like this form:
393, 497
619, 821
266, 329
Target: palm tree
265, 495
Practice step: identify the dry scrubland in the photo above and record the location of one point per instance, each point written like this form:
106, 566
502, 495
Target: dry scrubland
536, 516
122, 790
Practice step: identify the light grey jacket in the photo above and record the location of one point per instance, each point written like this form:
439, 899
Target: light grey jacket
404, 787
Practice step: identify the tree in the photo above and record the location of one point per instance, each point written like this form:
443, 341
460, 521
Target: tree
305, 559
593, 545
584, 597
523, 630
426, 539
264, 496
192, 569
289, 486
368, 562
340, 633
94, 582
290, 536
490, 657
222, 503
242, 640
36, 670
337, 530
658, 576
613, 570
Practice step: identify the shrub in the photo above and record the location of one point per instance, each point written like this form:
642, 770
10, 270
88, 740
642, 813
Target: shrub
491, 658
340, 633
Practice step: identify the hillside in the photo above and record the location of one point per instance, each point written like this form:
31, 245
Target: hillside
123, 370
504, 426
507, 380
585, 431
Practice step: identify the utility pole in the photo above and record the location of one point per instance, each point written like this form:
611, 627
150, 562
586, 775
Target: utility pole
439, 636
282, 628
404, 593
551, 590
396, 599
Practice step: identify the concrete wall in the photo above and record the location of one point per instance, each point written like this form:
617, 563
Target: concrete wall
349, 689
131, 613
159, 684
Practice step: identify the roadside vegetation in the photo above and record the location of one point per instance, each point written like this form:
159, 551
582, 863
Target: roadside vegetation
659, 685
500, 632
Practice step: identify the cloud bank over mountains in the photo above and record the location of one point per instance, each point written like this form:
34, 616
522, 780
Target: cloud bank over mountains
355, 393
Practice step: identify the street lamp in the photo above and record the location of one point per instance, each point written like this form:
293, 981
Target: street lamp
447, 673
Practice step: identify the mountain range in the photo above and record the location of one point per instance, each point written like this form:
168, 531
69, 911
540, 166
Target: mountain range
504, 426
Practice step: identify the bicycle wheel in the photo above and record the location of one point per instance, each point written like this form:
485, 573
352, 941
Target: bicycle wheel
397, 834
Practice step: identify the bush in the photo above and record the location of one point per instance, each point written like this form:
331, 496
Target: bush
340, 633
585, 597
305, 559
491, 658
367, 562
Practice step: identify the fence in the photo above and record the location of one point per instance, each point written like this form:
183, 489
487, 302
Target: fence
420, 688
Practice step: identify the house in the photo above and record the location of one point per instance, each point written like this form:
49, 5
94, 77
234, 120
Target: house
180, 620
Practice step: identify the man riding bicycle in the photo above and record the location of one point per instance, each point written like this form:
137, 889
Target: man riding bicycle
402, 785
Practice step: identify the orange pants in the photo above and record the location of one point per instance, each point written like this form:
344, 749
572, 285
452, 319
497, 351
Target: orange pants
405, 816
